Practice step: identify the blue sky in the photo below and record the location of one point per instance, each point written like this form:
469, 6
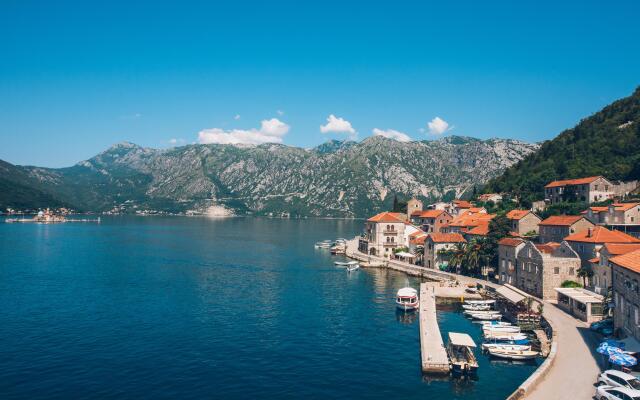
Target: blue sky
77, 77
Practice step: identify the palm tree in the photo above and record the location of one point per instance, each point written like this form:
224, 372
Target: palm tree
458, 255
584, 274
472, 257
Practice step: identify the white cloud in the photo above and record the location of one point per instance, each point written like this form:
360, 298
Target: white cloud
392, 134
236, 117
271, 131
175, 141
338, 125
438, 126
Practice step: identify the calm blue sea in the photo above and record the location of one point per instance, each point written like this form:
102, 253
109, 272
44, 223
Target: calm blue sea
192, 308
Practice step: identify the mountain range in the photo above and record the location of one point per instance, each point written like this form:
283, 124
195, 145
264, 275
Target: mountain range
335, 179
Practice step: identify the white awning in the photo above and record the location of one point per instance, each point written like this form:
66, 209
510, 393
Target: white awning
405, 254
461, 339
510, 295
581, 295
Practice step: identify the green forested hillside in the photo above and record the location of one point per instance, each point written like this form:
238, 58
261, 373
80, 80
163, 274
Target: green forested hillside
606, 143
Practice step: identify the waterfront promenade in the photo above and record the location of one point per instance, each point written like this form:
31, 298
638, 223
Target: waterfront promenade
571, 369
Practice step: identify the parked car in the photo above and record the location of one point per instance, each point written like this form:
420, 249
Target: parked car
604, 327
616, 393
613, 377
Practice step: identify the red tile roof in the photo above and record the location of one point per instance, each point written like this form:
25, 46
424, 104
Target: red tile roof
621, 248
462, 204
517, 214
594, 260
600, 234
630, 261
579, 181
561, 220
437, 237
427, 213
625, 206
419, 240
480, 230
547, 247
387, 217
512, 242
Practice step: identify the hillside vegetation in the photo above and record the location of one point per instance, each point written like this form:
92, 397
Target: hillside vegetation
606, 143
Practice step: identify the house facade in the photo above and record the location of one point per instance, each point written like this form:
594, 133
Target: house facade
523, 222
507, 259
590, 189
414, 205
437, 245
625, 272
493, 197
587, 243
542, 268
601, 265
383, 233
557, 227
431, 220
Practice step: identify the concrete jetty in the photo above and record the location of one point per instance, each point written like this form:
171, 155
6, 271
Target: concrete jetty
432, 350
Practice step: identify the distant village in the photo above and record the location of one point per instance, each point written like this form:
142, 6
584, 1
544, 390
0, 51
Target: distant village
586, 262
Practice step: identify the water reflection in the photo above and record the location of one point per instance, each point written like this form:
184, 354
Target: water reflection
406, 317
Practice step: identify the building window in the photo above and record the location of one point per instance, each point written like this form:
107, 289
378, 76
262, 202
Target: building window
571, 271
556, 270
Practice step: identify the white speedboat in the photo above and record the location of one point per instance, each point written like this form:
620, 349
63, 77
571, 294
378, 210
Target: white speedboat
496, 323
487, 317
352, 267
481, 312
476, 307
502, 346
513, 354
342, 263
479, 301
407, 299
506, 336
501, 329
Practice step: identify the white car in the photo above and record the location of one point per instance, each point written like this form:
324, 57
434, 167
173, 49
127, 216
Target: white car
612, 377
616, 393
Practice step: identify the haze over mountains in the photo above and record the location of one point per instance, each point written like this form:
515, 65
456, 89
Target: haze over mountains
335, 179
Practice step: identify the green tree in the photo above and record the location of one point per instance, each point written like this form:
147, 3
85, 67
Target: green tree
585, 274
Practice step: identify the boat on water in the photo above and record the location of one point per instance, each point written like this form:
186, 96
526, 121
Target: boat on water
476, 307
460, 349
506, 337
514, 347
513, 354
481, 312
496, 323
407, 299
501, 329
325, 244
486, 317
479, 301
345, 263
352, 267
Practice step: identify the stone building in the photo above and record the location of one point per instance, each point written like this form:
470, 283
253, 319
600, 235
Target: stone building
625, 272
383, 233
507, 252
587, 243
623, 217
543, 267
523, 221
431, 220
590, 189
557, 227
601, 265
414, 205
437, 247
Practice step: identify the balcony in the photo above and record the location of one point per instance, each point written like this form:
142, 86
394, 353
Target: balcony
390, 244
389, 232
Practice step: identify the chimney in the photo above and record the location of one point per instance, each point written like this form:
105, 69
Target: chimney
590, 232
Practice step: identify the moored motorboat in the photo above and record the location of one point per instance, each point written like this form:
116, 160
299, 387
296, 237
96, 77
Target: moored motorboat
479, 301
486, 317
407, 299
501, 329
514, 347
341, 263
352, 267
513, 354
505, 336
481, 312
496, 323
476, 307
460, 351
